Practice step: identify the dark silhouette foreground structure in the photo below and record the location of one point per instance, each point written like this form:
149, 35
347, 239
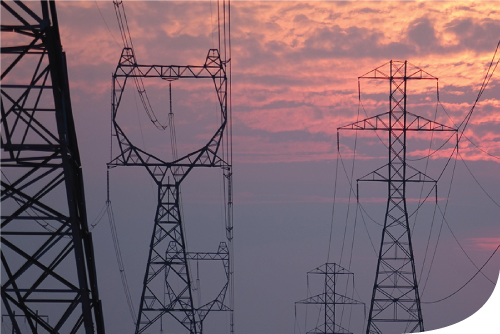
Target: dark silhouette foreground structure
49, 281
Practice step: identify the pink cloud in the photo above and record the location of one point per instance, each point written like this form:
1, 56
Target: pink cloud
295, 65
486, 243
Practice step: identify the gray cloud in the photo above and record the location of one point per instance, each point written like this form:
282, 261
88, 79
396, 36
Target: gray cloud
478, 36
422, 33
353, 42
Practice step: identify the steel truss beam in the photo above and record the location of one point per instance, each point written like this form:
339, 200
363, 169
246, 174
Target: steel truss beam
47, 252
168, 253
395, 304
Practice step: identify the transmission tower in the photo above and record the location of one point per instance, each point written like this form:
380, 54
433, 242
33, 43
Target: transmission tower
168, 287
47, 253
395, 303
329, 299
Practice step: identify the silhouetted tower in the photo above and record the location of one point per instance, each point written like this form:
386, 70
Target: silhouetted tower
395, 304
329, 298
168, 286
47, 253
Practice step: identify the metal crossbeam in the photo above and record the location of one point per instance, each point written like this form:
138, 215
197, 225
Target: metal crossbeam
383, 122
129, 69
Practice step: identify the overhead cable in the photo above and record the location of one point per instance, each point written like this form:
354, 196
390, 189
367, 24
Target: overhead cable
463, 286
139, 83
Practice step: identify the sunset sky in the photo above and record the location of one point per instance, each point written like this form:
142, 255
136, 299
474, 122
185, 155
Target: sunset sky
295, 69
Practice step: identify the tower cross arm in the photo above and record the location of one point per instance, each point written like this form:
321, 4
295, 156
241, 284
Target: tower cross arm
221, 254
419, 123
317, 299
212, 69
330, 268
383, 122
417, 176
320, 299
169, 71
397, 71
412, 175
377, 122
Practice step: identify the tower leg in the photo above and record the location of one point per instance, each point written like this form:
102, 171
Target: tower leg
168, 255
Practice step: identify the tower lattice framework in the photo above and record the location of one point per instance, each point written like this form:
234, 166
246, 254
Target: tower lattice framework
49, 282
168, 288
395, 303
330, 298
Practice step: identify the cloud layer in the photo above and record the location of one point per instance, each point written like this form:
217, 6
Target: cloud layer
295, 64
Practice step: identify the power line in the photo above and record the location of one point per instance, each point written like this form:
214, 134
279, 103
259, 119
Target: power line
480, 149
118, 44
119, 260
333, 207
485, 83
137, 77
464, 122
463, 250
98, 219
463, 286
442, 221
349, 200
479, 184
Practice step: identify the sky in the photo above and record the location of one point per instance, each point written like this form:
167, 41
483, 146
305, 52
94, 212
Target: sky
295, 69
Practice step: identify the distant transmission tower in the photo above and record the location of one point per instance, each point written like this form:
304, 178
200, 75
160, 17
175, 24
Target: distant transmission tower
329, 299
168, 287
395, 304
47, 253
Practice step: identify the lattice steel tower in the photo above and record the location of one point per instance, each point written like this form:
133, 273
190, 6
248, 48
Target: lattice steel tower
395, 303
330, 298
49, 282
168, 286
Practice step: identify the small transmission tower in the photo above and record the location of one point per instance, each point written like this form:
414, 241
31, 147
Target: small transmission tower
395, 303
47, 251
329, 299
168, 288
